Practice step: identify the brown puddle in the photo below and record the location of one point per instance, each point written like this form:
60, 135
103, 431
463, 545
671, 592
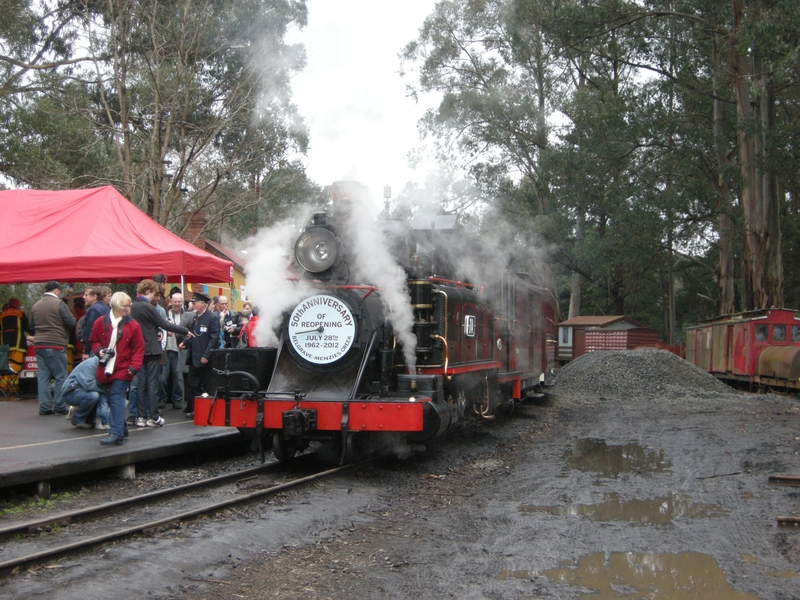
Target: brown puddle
782, 574
638, 574
655, 511
503, 575
596, 456
749, 558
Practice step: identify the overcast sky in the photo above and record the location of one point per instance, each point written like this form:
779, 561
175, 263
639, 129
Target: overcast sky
361, 123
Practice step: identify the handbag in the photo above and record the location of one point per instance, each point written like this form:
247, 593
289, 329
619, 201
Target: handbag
242, 340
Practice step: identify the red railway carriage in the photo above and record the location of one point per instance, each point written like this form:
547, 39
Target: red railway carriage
341, 371
760, 347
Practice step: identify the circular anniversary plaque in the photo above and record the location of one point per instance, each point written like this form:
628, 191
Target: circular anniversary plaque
322, 329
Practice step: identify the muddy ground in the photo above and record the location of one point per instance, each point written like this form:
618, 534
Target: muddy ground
655, 492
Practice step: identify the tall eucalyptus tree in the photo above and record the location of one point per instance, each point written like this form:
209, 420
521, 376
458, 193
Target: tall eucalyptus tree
193, 95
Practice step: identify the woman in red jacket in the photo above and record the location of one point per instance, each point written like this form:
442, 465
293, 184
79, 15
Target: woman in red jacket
247, 336
117, 340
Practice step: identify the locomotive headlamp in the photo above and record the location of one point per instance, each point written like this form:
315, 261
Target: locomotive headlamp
316, 249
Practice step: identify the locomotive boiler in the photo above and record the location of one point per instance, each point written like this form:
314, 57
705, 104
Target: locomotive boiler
349, 371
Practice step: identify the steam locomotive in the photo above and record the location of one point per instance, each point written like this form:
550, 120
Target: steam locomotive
363, 368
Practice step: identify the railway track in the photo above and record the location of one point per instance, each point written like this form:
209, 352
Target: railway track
88, 514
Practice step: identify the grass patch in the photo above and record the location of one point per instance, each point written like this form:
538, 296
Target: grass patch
11, 507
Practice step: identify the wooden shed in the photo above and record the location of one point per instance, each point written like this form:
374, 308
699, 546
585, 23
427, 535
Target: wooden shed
580, 335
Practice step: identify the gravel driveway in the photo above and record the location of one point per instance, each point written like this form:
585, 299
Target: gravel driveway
639, 477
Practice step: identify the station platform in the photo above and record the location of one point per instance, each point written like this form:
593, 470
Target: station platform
36, 449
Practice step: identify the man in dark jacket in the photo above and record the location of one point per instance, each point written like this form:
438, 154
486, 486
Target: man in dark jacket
51, 322
149, 377
202, 339
229, 321
93, 297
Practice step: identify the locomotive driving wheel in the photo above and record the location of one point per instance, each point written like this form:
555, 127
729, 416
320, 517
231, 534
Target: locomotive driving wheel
352, 450
284, 451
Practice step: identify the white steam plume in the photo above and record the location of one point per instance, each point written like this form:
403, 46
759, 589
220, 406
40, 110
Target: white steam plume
374, 264
269, 282
481, 258
272, 290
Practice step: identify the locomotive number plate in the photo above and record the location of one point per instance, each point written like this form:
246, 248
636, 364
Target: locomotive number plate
322, 329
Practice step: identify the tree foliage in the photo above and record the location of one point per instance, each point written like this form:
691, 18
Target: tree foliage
652, 142
183, 106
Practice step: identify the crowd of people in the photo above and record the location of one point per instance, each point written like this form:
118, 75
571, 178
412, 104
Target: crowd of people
133, 356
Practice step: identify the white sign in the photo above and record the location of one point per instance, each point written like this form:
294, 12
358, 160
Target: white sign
469, 325
322, 329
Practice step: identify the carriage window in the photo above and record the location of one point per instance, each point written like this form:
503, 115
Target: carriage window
779, 333
761, 333
796, 333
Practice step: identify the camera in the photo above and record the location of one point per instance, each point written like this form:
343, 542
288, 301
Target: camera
106, 355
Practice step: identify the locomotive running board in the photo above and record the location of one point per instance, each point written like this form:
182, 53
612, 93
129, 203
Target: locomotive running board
459, 368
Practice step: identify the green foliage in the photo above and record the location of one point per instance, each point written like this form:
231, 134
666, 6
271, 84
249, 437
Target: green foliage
183, 106
27, 294
49, 143
11, 507
609, 129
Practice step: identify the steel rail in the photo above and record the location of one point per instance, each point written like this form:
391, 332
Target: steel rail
123, 533
117, 505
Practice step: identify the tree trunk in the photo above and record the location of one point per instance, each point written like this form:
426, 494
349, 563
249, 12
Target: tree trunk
670, 287
617, 287
575, 296
577, 278
773, 283
725, 271
750, 193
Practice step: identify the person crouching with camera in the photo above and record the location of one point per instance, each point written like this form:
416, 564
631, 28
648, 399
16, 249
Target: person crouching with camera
118, 343
82, 391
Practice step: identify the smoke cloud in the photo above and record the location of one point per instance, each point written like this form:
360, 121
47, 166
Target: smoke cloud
484, 245
372, 262
479, 256
271, 284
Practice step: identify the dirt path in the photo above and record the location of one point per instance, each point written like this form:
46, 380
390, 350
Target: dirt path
664, 496
624, 484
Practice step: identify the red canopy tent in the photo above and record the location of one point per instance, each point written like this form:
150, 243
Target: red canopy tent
93, 235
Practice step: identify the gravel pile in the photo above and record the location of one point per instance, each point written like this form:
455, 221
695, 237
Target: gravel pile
634, 374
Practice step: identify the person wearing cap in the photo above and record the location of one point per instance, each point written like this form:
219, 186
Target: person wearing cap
202, 339
15, 325
51, 323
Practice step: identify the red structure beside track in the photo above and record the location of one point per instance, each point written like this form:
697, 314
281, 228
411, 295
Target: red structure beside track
760, 347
